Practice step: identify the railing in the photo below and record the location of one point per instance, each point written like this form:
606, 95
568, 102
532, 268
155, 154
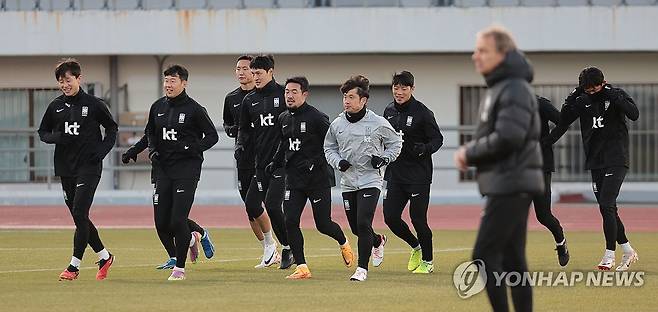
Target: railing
116, 5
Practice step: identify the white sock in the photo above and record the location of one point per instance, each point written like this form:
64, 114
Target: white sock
179, 269
262, 242
417, 248
361, 269
609, 254
346, 243
103, 254
302, 266
269, 240
76, 262
428, 262
627, 248
286, 247
192, 241
562, 242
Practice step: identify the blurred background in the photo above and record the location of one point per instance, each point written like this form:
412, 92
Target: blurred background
123, 46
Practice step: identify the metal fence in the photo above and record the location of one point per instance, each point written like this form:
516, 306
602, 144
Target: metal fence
62, 5
569, 153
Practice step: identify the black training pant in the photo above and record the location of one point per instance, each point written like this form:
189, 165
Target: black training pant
418, 196
268, 190
78, 196
606, 183
542, 203
360, 210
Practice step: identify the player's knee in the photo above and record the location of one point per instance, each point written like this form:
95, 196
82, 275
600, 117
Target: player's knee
364, 227
391, 218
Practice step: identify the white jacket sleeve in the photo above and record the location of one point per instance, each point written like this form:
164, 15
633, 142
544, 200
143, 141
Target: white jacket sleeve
331, 149
392, 142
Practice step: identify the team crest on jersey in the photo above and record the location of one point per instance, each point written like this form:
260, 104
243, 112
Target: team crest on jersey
302, 127
155, 199
260, 186
607, 104
410, 119
239, 185
276, 102
181, 118
346, 203
286, 196
65, 197
85, 111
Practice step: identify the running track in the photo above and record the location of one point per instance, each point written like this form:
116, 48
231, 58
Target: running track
580, 217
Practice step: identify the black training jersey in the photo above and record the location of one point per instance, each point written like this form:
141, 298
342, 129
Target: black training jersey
259, 116
179, 131
301, 151
73, 125
602, 125
421, 137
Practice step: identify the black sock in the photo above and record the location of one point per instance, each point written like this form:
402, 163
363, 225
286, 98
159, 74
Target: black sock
72, 269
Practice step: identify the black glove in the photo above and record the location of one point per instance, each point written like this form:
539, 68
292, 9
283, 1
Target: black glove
238, 152
611, 93
343, 165
419, 149
578, 91
378, 162
131, 153
269, 169
231, 131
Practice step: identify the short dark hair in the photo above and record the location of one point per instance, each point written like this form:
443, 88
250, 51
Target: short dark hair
245, 57
68, 65
177, 70
590, 77
403, 78
361, 83
264, 62
300, 80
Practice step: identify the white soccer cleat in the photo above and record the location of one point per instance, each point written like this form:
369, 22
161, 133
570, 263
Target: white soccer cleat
360, 275
378, 253
627, 260
270, 255
606, 264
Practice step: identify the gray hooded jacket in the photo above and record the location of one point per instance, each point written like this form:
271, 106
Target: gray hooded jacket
357, 143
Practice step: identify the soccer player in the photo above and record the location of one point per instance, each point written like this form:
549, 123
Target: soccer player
542, 202
179, 131
259, 114
245, 162
603, 111
165, 236
409, 177
359, 143
505, 150
308, 176
72, 122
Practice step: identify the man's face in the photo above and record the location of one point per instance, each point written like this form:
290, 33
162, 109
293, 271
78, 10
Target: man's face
352, 102
262, 77
594, 89
294, 95
69, 84
485, 57
243, 72
174, 86
401, 93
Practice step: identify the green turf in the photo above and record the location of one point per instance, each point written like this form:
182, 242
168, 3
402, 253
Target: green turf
30, 262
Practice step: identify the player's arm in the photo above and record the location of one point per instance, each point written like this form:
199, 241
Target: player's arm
331, 148
433, 132
392, 142
624, 101
244, 126
210, 136
47, 131
230, 125
104, 117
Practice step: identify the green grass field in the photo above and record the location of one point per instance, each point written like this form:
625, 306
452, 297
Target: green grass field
30, 262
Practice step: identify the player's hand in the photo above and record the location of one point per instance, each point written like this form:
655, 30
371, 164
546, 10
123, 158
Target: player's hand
237, 154
343, 165
460, 159
378, 162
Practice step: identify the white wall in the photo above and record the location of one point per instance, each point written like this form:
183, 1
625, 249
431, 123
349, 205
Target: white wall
438, 78
324, 30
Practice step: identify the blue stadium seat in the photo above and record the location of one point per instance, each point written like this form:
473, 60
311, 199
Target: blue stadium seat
224, 4
255, 4
539, 3
294, 3
470, 3
92, 5
416, 3
572, 2
158, 4
191, 4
